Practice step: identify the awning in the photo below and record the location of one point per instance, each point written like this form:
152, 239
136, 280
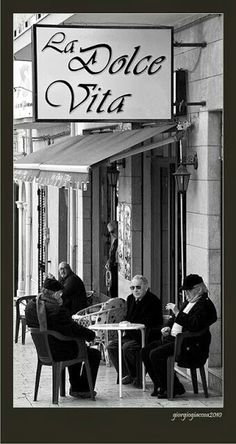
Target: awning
68, 163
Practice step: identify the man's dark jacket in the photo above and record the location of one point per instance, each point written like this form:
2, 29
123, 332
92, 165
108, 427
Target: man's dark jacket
74, 293
59, 320
147, 311
201, 316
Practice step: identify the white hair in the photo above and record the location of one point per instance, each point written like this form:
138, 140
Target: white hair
142, 278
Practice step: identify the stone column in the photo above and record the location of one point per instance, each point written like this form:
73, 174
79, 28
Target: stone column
28, 240
83, 223
72, 233
21, 289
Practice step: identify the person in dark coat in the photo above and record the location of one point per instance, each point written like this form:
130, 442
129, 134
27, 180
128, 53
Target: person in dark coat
74, 293
143, 307
48, 313
112, 264
197, 312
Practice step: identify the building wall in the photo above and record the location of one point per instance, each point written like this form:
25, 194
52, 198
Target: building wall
205, 82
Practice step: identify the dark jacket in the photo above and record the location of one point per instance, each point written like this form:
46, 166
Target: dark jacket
195, 351
148, 311
112, 253
74, 293
59, 320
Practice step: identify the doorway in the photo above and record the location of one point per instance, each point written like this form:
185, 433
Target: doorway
164, 228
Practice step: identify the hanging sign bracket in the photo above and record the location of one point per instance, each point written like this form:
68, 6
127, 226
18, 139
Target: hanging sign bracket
199, 45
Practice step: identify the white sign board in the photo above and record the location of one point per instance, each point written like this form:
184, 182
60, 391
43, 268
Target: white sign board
23, 106
92, 73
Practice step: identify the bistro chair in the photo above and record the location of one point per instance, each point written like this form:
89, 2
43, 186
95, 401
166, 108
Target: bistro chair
188, 354
109, 312
90, 295
41, 342
87, 315
21, 303
94, 297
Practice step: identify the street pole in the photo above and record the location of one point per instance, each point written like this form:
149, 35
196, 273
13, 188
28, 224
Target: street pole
181, 222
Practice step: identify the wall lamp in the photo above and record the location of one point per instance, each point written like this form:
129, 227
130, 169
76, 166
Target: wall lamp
182, 175
112, 174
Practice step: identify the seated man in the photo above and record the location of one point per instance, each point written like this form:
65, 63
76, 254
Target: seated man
143, 307
74, 293
197, 313
52, 315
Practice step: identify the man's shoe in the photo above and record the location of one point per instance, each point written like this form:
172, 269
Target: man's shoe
83, 395
162, 394
180, 390
127, 380
155, 391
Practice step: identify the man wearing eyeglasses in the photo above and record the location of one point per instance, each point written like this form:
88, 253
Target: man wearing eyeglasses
198, 312
143, 307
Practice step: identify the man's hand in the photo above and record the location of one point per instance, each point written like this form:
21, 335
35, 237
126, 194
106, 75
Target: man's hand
173, 307
50, 276
165, 331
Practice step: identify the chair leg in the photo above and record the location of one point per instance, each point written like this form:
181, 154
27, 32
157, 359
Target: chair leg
63, 382
204, 383
89, 377
170, 377
139, 368
56, 367
194, 379
37, 379
23, 329
17, 329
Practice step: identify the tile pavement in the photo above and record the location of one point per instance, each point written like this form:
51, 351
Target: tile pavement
24, 368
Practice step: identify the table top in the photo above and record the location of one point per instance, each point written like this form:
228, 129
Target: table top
120, 326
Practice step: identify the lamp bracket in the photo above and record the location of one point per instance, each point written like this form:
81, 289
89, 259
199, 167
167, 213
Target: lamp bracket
121, 162
199, 45
191, 160
183, 103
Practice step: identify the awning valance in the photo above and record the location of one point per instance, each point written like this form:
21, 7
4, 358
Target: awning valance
68, 163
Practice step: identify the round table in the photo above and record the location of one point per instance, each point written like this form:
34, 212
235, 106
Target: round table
119, 328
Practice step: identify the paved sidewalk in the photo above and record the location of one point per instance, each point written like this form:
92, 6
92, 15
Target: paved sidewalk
25, 361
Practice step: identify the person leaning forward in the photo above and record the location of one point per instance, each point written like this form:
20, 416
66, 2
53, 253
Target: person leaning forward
198, 312
74, 293
52, 315
143, 307
112, 264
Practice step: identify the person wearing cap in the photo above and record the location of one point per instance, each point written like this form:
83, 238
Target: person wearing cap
47, 312
112, 264
197, 312
143, 307
74, 293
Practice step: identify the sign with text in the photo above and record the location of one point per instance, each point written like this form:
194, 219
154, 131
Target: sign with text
23, 106
103, 73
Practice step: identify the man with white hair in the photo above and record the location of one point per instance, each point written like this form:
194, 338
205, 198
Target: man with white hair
143, 307
198, 312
